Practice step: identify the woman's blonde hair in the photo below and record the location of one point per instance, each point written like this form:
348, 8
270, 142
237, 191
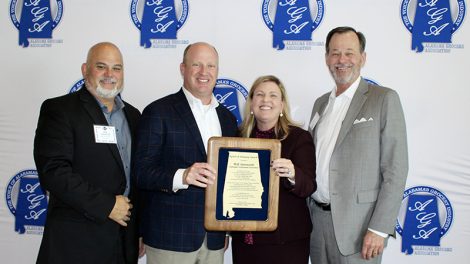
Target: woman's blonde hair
282, 125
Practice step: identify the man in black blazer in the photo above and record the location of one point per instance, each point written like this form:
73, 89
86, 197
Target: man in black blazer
82, 151
171, 166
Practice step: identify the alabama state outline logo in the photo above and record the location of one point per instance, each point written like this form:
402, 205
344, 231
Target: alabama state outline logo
232, 95
293, 22
425, 216
432, 23
27, 202
159, 21
37, 21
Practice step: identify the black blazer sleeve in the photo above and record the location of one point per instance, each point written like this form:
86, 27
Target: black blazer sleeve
299, 148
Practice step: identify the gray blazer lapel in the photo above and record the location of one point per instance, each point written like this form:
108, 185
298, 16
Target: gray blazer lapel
319, 109
356, 104
323, 105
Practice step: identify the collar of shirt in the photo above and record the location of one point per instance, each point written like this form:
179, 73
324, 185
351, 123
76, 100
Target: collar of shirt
118, 105
349, 93
196, 102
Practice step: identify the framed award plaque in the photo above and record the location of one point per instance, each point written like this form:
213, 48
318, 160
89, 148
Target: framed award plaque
245, 195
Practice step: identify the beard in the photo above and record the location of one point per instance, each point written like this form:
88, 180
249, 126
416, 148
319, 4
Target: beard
107, 93
344, 79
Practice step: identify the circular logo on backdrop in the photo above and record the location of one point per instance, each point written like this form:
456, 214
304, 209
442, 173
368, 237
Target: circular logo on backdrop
232, 95
408, 12
27, 202
425, 216
77, 86
432, 22
159, 21
292, 22
37, 21
371, 81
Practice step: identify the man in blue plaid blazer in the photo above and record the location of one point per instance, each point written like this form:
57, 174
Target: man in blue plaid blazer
171, 168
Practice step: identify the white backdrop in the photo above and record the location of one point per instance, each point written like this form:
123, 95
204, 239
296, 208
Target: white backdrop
432, 84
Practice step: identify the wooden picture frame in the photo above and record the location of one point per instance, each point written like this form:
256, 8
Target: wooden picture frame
263, 216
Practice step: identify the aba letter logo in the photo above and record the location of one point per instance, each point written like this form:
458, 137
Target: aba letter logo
158, 19
426, 215
27, 202
433, 20
232, 95
38, 18
293, 19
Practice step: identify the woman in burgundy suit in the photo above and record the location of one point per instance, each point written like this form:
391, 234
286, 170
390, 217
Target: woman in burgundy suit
267, 116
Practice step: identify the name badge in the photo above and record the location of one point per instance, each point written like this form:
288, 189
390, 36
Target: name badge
105, 134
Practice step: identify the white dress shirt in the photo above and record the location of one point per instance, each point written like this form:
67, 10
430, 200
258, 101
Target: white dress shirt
208, 123
326, 134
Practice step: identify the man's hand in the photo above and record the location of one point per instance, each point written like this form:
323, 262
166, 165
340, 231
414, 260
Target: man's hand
372, 245
121, 211
199, 174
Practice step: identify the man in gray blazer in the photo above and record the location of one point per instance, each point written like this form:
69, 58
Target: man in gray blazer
362, 161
